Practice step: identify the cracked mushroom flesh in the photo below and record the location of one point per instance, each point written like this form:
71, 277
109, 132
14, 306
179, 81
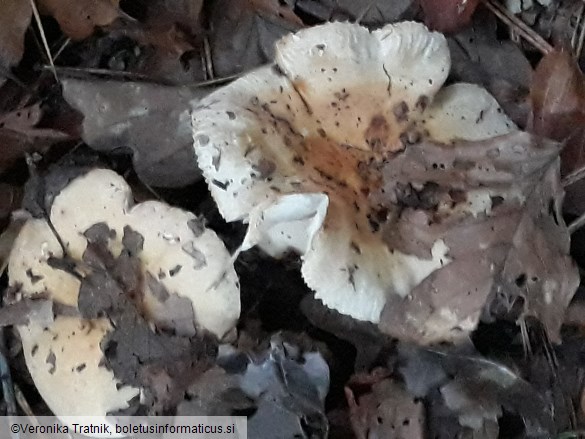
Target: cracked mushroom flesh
189, 261
295, 150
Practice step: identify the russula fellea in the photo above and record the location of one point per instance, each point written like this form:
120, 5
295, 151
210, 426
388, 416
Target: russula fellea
189, 261
291, 149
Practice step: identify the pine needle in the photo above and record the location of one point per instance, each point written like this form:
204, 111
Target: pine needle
43, 38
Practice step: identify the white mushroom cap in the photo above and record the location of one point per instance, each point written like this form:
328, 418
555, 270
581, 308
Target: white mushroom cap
65, 359
195, 265
282, 147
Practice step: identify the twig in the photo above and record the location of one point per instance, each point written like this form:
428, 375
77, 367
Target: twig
62, 48
216, 80
364, 12
209, 70
6, 377
43, 37
7, 386
577, 224
518, 25
577, 41
24, 405
573, 177
73, 71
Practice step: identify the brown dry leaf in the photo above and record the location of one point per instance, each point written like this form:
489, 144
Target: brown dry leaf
448, 15
186, 14
387, 411
19, 134
14, 20
79, 18
151, 120
253, 27
557, 96
558, 105
510, 259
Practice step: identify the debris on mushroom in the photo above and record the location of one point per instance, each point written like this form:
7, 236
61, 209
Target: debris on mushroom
113, 264
299, 150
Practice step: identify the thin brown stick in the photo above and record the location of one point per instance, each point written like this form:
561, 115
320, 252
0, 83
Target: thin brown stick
518, 26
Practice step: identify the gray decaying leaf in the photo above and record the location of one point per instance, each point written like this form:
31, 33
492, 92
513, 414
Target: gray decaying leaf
253, 26
25, 311
387, 411
162, 362
478, 56
151, 120
285, 391
476, 389
368, 12
512, 253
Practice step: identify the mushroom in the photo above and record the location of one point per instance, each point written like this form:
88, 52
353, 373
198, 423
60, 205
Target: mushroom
187, 260
295, 150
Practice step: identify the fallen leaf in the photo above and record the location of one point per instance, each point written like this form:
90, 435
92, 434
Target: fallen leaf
253, 26
10, 199
283, 388
186, 14
25, 311
557, 92
386, 411
479, 56
510, 259
476, 389
162, 362
557, 96
151, 120
373, 13
14, 20
19, 134
448, 16
79, 18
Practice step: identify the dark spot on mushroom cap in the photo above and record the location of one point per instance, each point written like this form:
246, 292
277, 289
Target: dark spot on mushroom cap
199, 258
400, 111
265, 168
231, 115
221, 185
422, 103
175, 270
377, 133
34, 350
33, 277
51, 360
203, 139
197, 226
80, 367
